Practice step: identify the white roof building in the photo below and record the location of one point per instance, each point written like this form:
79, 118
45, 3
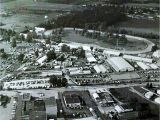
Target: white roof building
39, 30
149, 95
157, 100
143, 66
156, 54
27, 84
42, 60
153, 66
119, 64
136, 58
90, 57
109, 52
100, 69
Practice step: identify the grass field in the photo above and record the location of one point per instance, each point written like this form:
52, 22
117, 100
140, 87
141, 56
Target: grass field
132, 45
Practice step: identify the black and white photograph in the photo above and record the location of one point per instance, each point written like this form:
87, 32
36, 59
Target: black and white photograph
79, 60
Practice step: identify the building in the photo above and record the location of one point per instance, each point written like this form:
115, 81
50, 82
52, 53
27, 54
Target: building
111, 53
42, 60
136, 58
90, 57
100, 69
143, 66
156, 54
119, 64
51, 108
96, 97
39, 31
27, 84
123, 108
72, 101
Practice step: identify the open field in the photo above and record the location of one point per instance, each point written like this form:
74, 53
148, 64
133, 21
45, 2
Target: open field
23, 13
131, 45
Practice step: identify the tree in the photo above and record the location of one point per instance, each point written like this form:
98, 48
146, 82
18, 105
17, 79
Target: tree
14, 43
20, 57
154, 48
21, 38
48, 41
91, 48
4, 55
2, 50
51, 55
61, 58
65, 48
29, 37
53, 80
37, 53
80, 52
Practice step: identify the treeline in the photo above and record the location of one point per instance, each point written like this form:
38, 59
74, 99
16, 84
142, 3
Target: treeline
129, 32
94, 17
131, 1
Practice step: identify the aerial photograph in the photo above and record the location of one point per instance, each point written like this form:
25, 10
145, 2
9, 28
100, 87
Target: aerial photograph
79, 60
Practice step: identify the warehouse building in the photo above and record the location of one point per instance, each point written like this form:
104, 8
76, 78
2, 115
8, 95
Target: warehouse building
100, 69
119, 64
143, 66
136, 58
111, 53
90, 57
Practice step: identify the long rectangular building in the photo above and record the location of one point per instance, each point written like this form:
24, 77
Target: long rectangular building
136, 58
119, 64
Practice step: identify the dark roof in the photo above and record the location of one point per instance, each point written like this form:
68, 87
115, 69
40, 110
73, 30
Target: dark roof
72, 98
126, 106
39, 105
38, 115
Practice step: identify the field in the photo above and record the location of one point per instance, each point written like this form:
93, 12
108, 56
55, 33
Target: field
131, 45
28, 13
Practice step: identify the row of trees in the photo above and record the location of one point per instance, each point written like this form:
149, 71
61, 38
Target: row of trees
129, 32
58, 81
79, 52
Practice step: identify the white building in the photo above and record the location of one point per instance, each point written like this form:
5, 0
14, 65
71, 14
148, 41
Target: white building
27, 84
136, 58
90, 57
156, 54
100, 69
143, 66
42, 60
119, 64
111, 53
39, 31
